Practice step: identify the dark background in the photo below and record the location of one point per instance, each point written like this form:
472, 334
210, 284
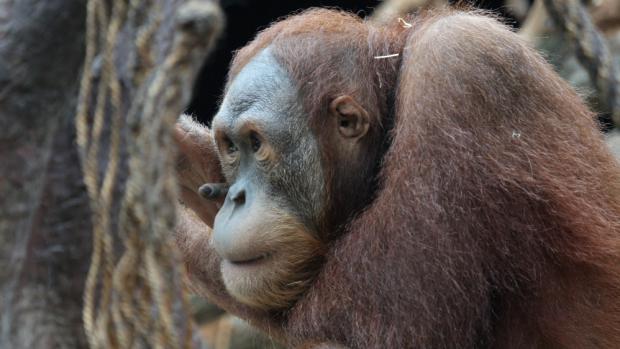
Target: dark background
244, 18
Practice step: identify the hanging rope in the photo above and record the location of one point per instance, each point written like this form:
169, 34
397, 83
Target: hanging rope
591, 49
136, 82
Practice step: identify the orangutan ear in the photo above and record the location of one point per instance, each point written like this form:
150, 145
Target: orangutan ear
351, 118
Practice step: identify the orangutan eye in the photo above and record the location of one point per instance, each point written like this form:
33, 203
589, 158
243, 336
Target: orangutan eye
255, 142
230, 146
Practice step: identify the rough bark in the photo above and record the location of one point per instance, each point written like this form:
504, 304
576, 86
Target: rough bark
44, 235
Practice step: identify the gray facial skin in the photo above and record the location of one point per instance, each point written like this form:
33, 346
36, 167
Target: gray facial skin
291, 183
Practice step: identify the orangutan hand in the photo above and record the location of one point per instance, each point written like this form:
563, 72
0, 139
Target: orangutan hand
197, 164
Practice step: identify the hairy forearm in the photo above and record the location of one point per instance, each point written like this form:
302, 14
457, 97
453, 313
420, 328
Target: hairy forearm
203, 264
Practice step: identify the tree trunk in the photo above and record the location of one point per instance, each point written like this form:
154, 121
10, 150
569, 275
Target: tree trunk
44, 224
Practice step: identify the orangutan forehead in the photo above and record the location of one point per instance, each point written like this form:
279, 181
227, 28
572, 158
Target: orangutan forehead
262, 93
262, 78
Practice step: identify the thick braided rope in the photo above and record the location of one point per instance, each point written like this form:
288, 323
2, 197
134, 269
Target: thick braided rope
591, 50
133, 293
